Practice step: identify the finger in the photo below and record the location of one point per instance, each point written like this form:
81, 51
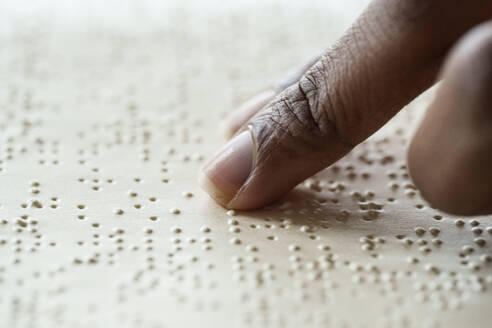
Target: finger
238, 117
389, 56
246, 111
450, 157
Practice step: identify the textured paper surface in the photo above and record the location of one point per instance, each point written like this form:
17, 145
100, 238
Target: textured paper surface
107, 112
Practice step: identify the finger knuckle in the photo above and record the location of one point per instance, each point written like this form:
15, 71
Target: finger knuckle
300, 119
285, 124
325, 104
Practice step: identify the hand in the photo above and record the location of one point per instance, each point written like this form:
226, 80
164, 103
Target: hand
392, 53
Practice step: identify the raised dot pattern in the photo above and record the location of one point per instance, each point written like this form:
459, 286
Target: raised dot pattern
102, 221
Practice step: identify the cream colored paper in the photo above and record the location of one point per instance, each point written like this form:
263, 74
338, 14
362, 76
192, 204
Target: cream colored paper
107, 111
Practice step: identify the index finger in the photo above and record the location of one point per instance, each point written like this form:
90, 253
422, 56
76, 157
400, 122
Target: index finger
390, 55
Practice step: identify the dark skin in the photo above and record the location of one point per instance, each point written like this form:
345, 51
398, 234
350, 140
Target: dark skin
393, 52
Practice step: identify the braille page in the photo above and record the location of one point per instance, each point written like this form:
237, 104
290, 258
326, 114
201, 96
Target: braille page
107, 112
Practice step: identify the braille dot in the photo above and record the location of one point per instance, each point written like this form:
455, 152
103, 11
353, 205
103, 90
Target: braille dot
176, 230
477, 231
425, 249
467, 249
437, 242
480, 242
486, 258
294, 248
459, 223
407, 241
434, 231
36, 204
305, 228
235, 241
474, 223
431, 268
474, 266
174, 210
232, 222
251, 248
21, 223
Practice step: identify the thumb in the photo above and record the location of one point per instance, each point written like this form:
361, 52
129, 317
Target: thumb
345, 97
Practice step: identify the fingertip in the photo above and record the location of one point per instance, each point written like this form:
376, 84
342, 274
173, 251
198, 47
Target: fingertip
224, 174
211, 189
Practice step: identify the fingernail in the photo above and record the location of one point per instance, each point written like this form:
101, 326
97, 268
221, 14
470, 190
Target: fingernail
225, 173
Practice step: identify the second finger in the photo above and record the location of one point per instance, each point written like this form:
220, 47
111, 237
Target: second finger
451, 154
